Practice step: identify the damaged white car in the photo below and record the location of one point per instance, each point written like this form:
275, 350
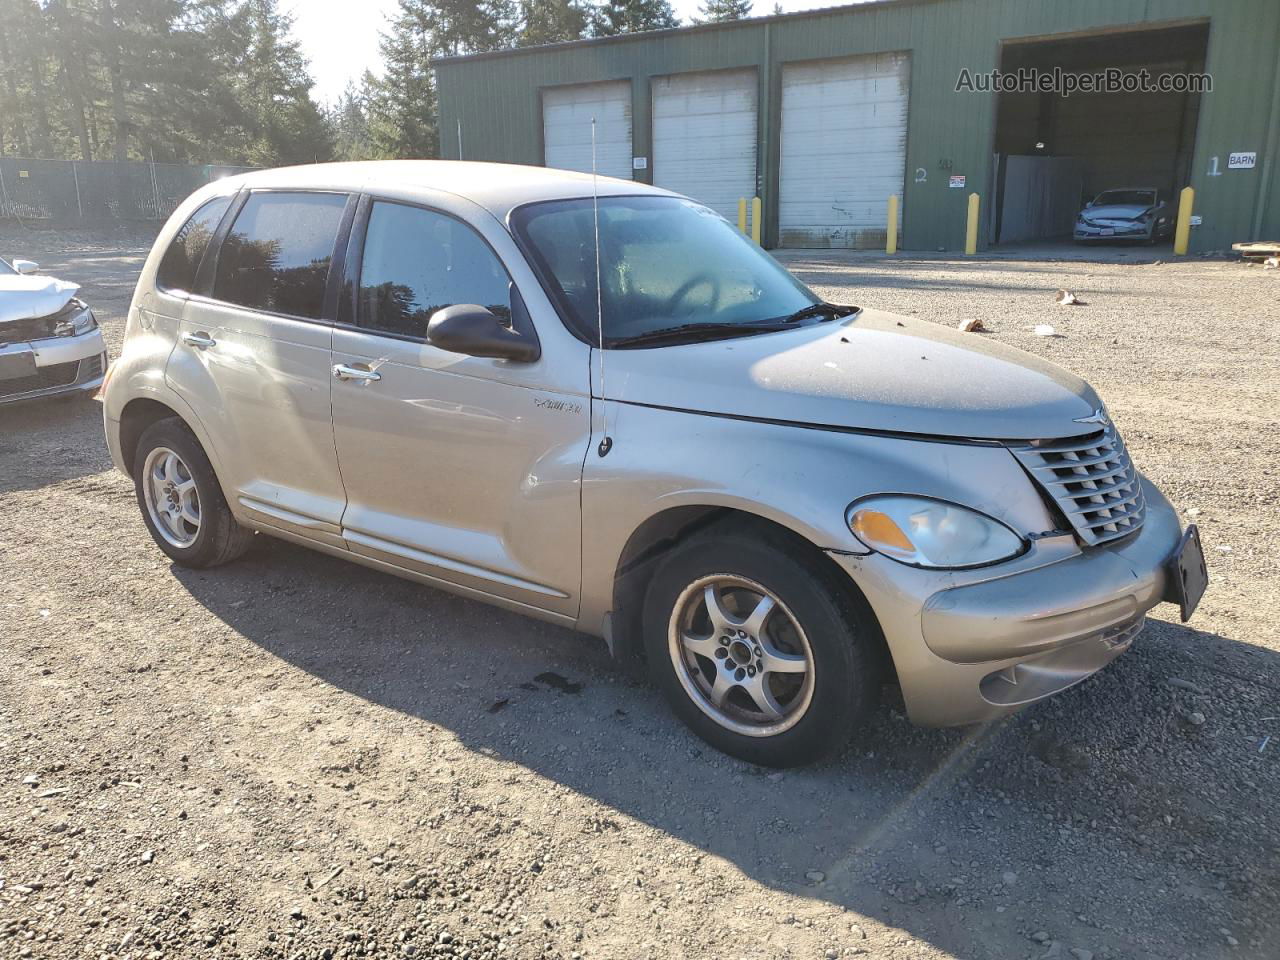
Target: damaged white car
1142, 214
50, 343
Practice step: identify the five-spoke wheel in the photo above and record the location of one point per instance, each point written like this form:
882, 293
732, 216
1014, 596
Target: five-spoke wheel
741, 655
759, 645
171, 496
181, 500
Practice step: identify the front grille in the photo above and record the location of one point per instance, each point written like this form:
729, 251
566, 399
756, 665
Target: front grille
46, 378
32, 328
1092, 481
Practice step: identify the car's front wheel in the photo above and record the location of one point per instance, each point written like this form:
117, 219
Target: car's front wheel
758, 649
180, 498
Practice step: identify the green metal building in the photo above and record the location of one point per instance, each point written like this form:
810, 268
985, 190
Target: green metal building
824, 114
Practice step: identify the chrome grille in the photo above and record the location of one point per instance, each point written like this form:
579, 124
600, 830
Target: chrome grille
1092, 480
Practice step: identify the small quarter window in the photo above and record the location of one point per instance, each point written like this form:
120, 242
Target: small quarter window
177, 272
277, 255
417, 262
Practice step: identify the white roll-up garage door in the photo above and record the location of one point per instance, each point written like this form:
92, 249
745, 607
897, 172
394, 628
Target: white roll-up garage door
566, 127
843, 150
704, 137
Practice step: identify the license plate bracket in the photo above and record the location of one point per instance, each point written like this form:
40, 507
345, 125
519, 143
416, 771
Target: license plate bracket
21, 363
1187, 572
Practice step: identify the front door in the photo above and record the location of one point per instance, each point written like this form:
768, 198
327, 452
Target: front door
464, 469
253, 356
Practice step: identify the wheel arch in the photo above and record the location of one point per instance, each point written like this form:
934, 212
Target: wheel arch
139, 414
666, 529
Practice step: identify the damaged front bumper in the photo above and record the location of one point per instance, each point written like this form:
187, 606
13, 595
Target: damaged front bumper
47, 367
1126, 231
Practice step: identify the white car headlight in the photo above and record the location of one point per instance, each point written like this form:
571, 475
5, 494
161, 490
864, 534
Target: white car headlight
74, 319
924, 532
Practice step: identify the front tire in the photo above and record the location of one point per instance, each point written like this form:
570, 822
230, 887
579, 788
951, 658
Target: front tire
758, 649
181, 501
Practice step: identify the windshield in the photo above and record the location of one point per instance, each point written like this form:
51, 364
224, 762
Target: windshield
1141, 198
5, 268
664, 262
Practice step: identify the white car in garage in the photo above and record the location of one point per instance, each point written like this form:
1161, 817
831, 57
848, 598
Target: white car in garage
50, 343
1133, 214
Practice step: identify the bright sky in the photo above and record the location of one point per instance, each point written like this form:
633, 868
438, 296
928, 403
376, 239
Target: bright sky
341, 38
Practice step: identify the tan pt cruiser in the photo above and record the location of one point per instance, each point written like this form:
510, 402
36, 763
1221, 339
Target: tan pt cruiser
595, 402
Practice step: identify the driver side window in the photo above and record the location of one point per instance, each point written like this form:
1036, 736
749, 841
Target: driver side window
416, 262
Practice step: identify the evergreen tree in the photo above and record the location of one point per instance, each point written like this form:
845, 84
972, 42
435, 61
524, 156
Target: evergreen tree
631, 16
203, 81
457, 27
718, 11
551, 21
401, 104
274, 84
349, 121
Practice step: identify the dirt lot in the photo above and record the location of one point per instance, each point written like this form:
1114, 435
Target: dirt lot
297, 757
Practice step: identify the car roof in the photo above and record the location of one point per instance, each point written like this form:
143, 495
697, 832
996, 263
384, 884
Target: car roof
497, 187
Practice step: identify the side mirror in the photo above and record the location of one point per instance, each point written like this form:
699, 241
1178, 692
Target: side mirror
26, 267
474, 330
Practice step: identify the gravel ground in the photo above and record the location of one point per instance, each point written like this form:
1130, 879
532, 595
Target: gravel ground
297, 757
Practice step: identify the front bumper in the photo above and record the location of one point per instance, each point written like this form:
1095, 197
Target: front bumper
1085, 232
64, 365
971, 649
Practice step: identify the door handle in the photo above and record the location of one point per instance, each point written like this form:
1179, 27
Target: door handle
343, 372
201, 340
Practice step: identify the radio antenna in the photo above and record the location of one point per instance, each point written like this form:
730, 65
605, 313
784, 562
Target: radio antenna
606, 442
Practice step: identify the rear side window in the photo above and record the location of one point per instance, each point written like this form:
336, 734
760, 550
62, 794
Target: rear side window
181, 261
417, 262
277, 255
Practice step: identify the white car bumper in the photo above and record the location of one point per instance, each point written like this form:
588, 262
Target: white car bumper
51, 366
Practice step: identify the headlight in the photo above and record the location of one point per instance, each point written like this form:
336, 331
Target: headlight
74, 319
923, 532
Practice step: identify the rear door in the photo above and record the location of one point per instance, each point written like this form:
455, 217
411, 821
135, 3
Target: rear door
253, 359
464, 469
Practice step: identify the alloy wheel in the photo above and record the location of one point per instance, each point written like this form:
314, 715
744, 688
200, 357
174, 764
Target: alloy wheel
173, 502
741, 655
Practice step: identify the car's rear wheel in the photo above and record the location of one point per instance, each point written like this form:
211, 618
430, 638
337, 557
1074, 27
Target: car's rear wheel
763, 656
181, 501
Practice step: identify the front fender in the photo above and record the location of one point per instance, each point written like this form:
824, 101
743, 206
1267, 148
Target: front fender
798, 477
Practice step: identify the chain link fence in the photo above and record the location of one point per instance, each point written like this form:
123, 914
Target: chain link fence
72, 191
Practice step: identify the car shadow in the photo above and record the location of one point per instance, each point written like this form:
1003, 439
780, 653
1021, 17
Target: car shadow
1130, 812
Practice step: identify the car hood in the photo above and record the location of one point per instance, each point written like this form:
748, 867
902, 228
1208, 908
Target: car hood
22, 298
875, 371
1116, 211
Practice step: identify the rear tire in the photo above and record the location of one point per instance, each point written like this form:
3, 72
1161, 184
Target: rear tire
181, 500
785, 667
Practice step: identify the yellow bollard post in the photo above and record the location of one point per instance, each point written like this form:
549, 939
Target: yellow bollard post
1182, 232
891, 244
742, 215
755, 220
971, 227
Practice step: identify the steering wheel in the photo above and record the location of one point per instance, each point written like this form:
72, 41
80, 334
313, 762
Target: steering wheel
700, 280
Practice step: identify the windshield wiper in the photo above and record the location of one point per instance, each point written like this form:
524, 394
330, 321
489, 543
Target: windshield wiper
829, 310
698, 331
